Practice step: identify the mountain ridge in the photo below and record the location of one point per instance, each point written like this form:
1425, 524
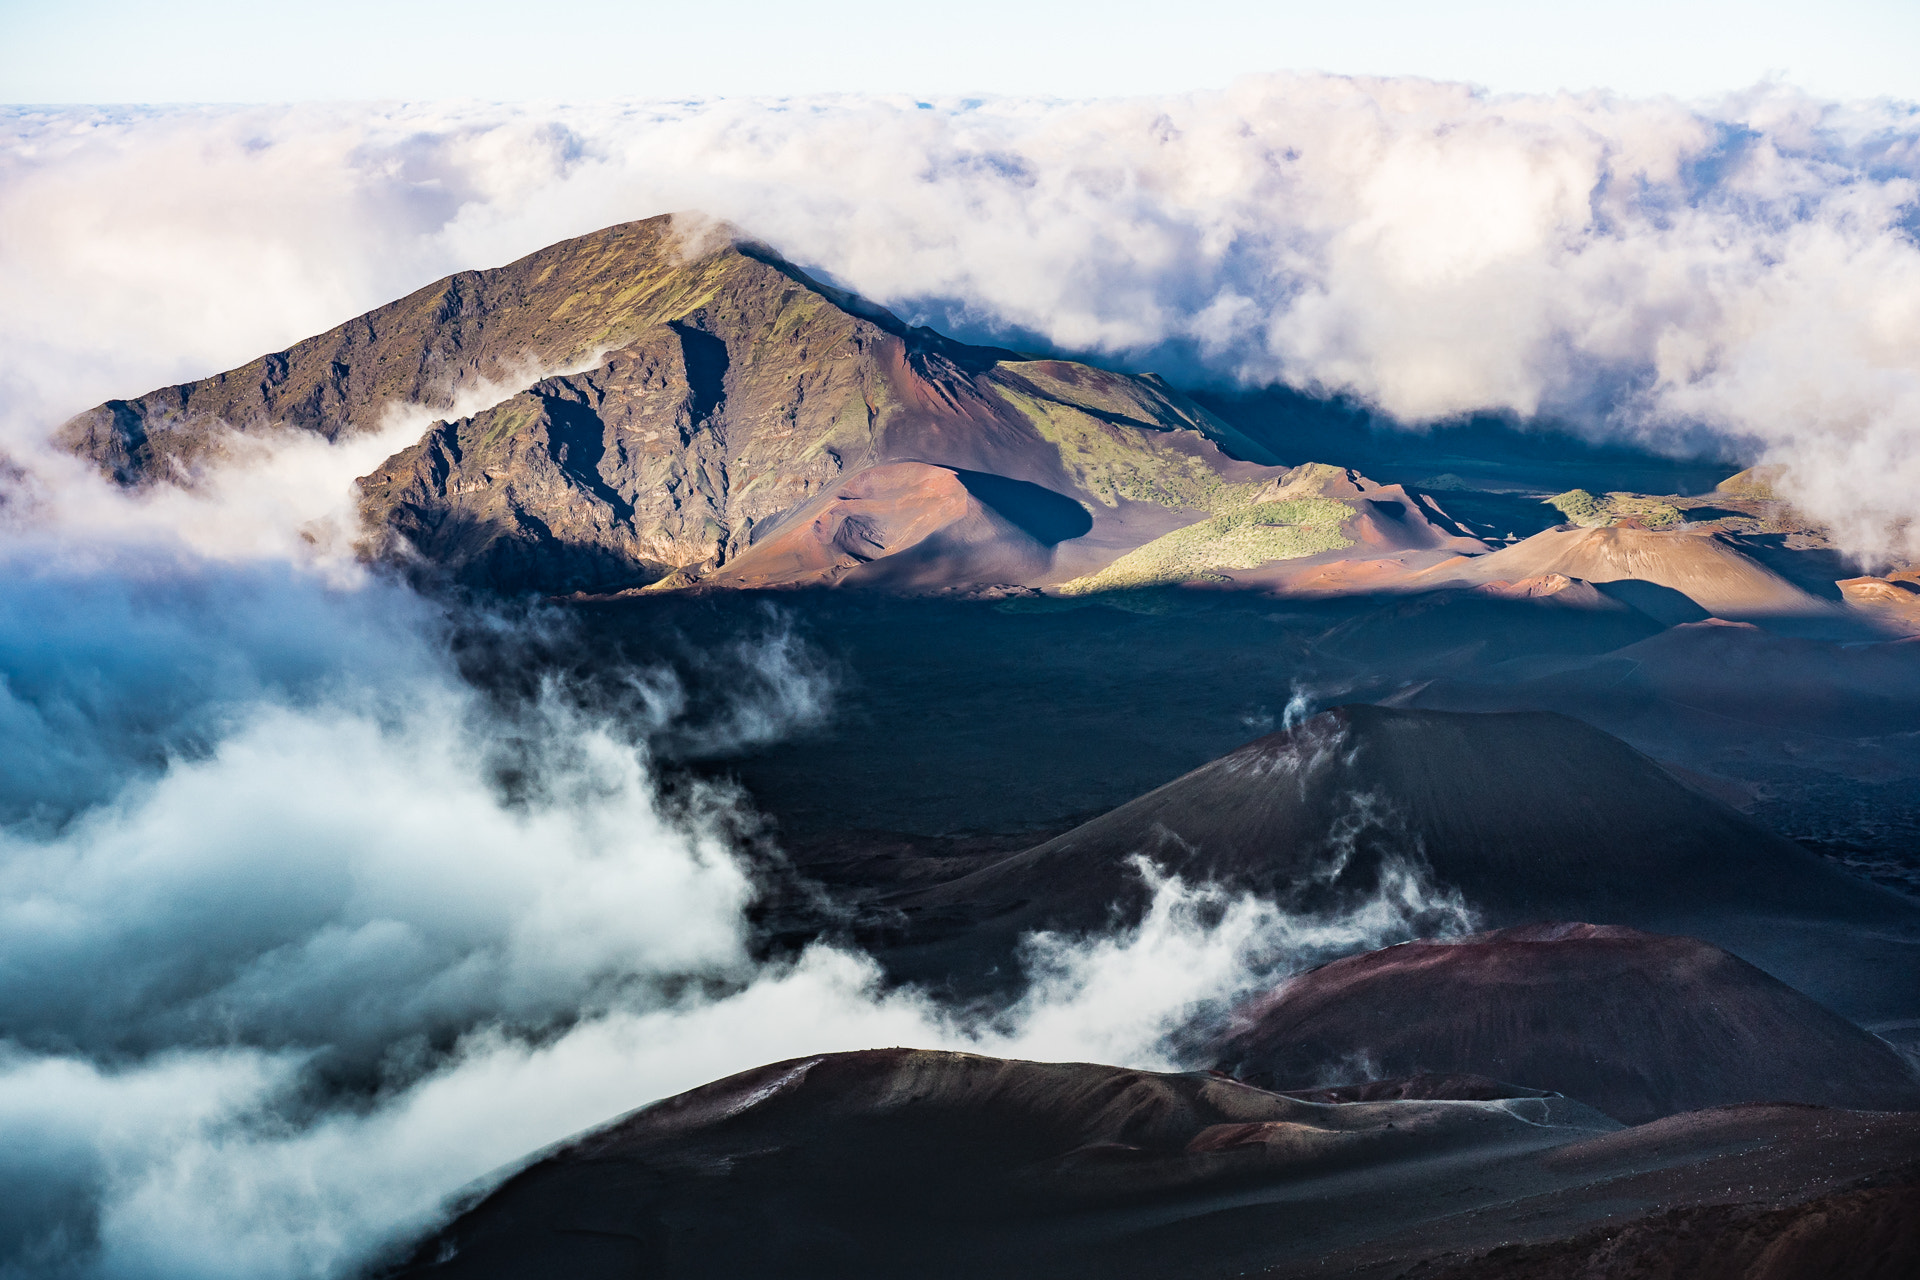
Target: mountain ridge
718, 389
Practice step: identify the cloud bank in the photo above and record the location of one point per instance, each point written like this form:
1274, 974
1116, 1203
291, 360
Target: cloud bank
299, 933
1741, 275
283, 991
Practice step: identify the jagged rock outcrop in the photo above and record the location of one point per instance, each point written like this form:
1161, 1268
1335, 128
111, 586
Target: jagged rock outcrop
716, 390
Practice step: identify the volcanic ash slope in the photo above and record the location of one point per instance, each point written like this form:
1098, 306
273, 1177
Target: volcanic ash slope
1705, 569
901, 1162
1529, 815
1637, 1025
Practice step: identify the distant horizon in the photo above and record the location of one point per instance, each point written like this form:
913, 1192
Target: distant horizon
220, 52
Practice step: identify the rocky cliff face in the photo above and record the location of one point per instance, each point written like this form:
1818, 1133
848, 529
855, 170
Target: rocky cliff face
724, 394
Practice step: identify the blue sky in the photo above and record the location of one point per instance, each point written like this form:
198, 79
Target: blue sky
227, 51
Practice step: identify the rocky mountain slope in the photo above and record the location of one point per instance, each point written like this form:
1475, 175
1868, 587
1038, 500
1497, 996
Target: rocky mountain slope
707, 393
668, 404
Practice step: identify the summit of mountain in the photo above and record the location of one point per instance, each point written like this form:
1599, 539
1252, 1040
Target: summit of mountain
663, 396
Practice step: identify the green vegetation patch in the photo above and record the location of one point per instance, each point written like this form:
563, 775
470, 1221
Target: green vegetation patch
1754, 482
505, 420
1246, 536
1583, 508
1118, 462
1145, 402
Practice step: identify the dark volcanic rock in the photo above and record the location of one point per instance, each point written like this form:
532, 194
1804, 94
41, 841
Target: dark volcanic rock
1530, 815
1637, 1025
1426, 1086
911, 1163
904, 1163
1872, 1233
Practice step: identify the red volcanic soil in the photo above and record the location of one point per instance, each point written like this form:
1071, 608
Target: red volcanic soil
911, 1163
1637, 1025
907, 524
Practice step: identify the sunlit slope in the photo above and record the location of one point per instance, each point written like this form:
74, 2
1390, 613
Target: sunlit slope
1706, 568
666, 399
1312, 510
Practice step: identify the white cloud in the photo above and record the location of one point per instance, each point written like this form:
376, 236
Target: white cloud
252, 837
1677, 274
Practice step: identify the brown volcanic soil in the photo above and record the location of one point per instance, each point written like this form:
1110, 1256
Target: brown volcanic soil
1530, 815
922, 520
911, 1163
1637, 1025
1706, 569
1869, 1234
1697, 1189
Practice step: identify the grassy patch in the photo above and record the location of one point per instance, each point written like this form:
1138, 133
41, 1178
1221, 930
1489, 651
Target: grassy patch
1583, 508
1117, 462
505, 420
1245, 536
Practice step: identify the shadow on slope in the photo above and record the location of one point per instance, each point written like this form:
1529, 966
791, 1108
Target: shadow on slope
903, 1162
1530, 815
911, 1163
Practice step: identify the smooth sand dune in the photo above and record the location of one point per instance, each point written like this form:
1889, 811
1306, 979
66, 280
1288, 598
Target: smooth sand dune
1553, 588
1893, 600
1637, 1025
1705, 568
907, 1163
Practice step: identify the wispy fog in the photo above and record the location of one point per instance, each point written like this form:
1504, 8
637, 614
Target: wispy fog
299, 933
304, 962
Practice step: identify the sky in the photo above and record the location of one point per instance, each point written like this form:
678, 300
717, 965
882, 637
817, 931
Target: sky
117, 51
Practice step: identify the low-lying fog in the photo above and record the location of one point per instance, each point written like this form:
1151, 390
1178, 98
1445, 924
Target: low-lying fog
301, 931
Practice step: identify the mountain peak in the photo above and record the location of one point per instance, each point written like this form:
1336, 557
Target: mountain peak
662, 395
503, 328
